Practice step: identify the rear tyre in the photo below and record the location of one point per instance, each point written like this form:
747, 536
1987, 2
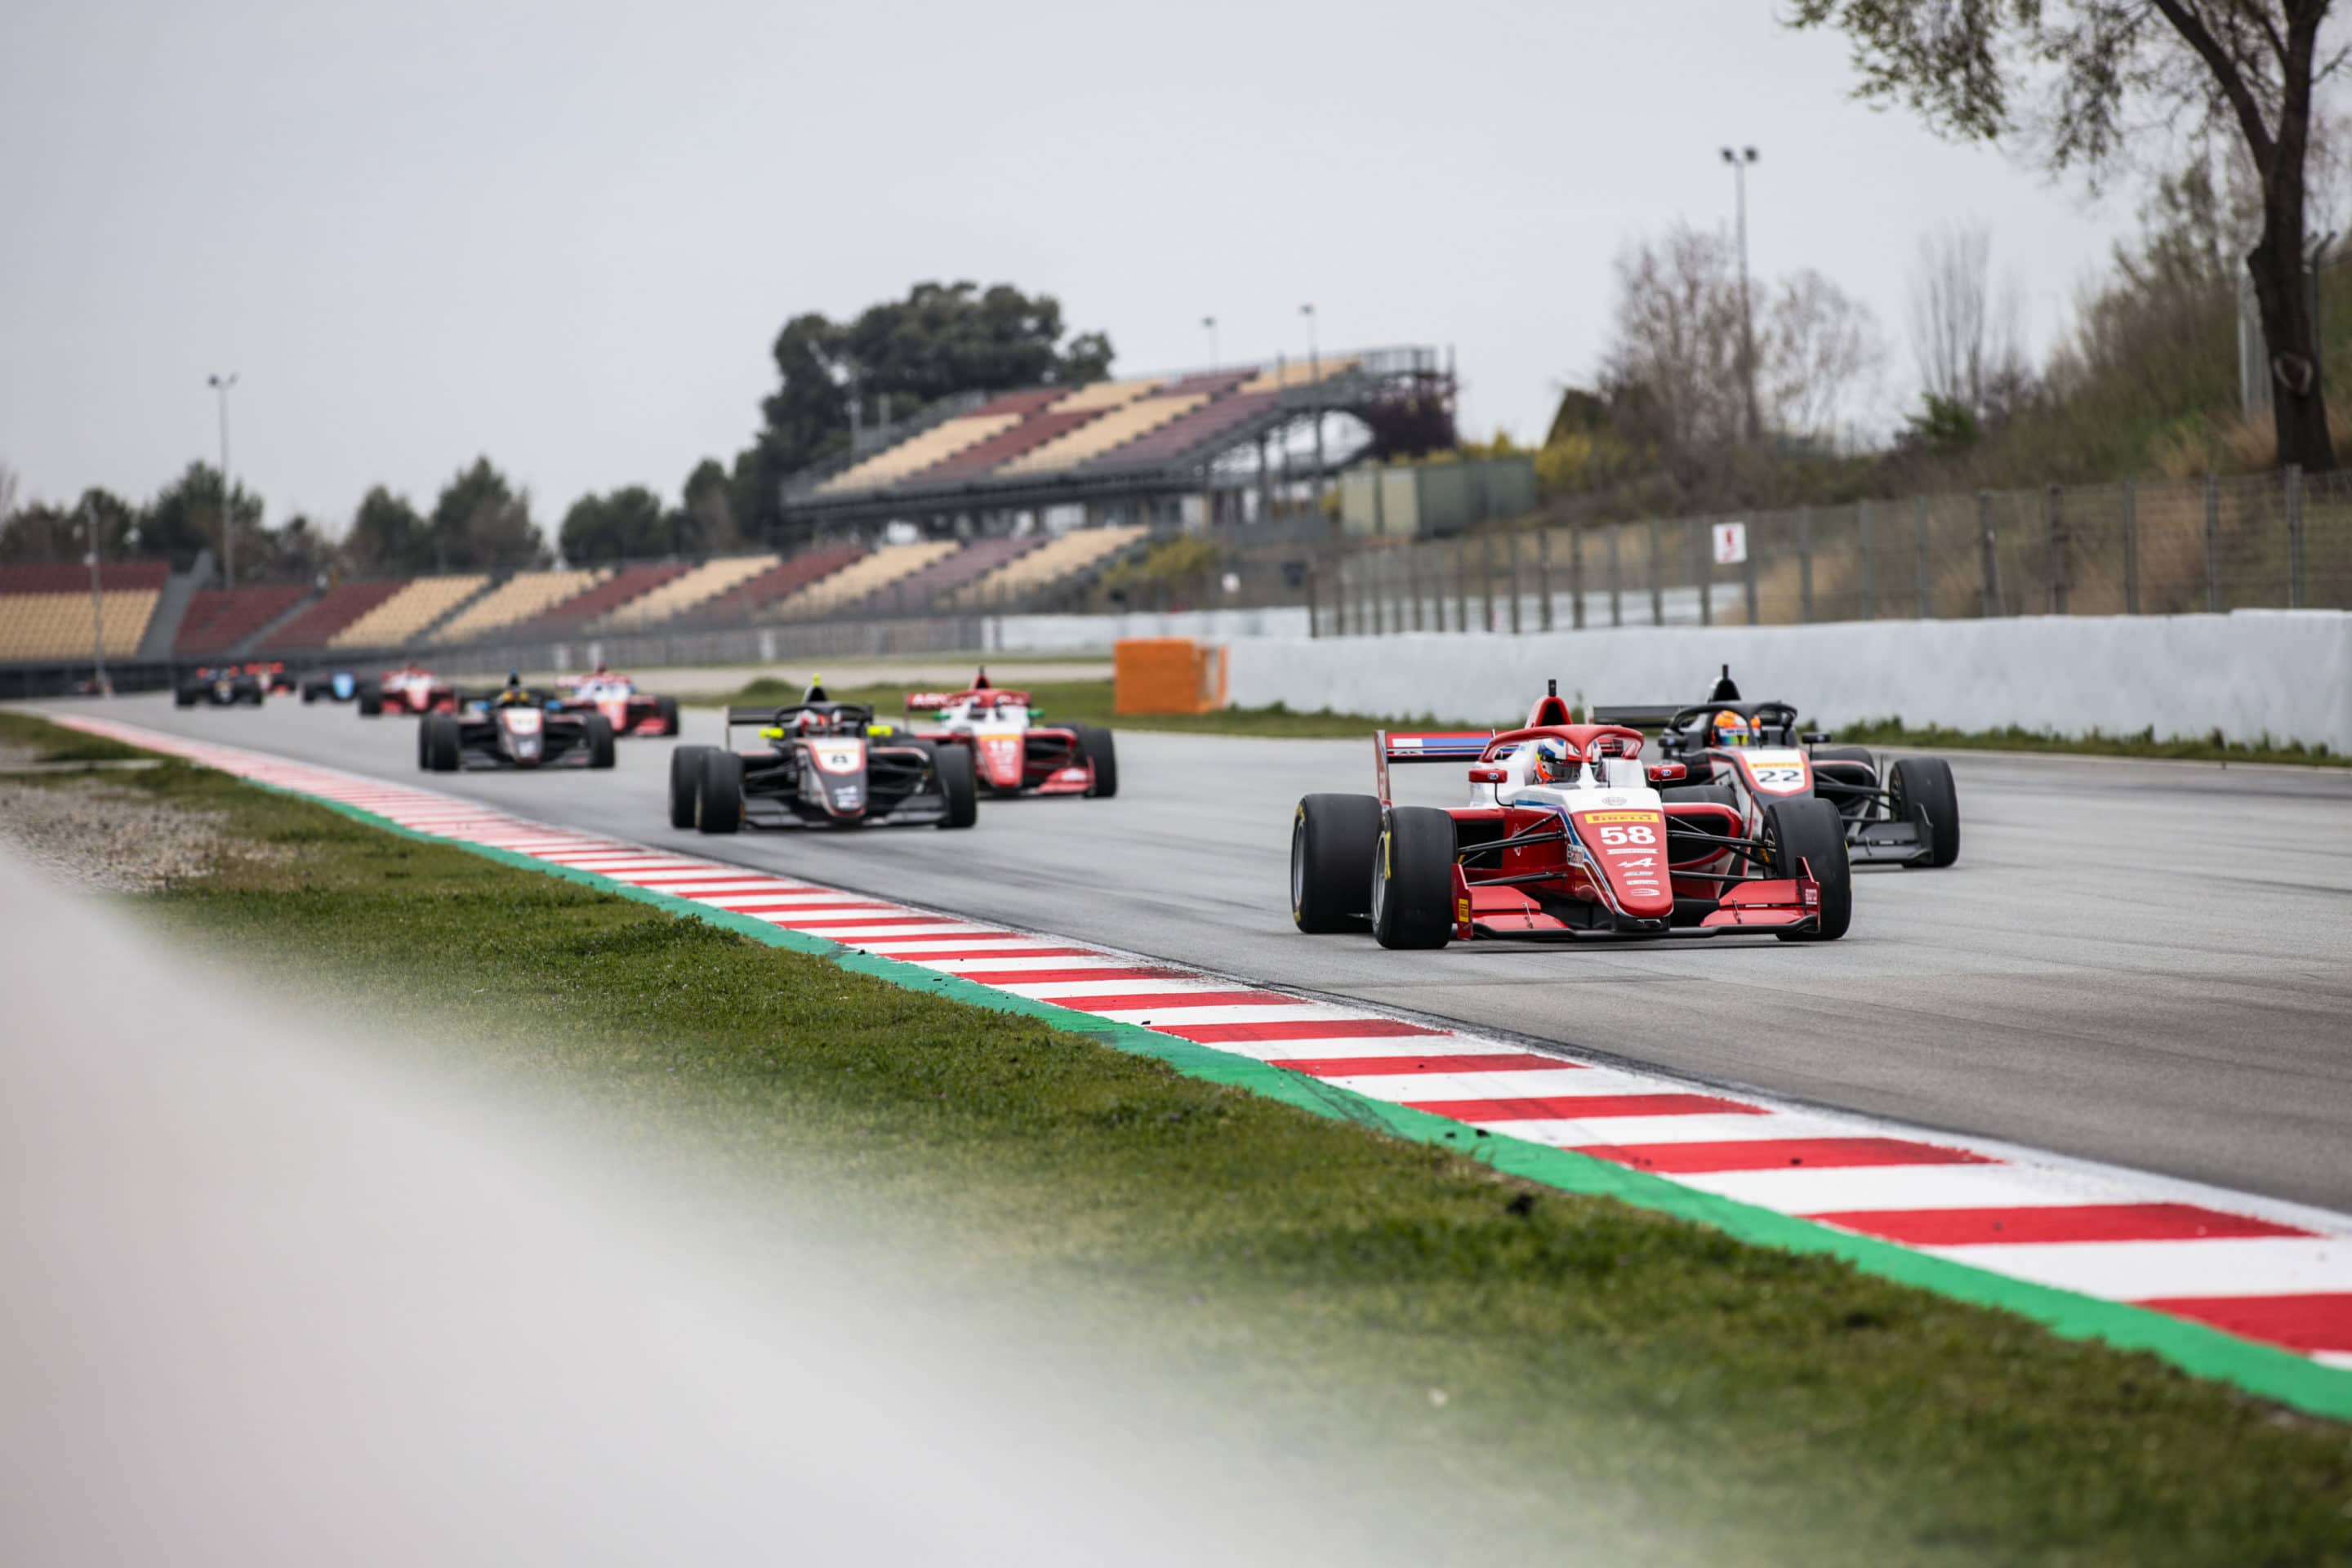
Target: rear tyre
310, 695
1808, 829
684, 775
960, 782
185, 697
1859, 806
437, 733
667, 708
370, 701
719, 794
1920, 790
1095, 745
1333, 838
1413, 878
600, 740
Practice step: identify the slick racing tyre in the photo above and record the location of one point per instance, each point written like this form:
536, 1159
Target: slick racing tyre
437, 739
719, 794
185, 697
370, 702
958, 783
667, 708
1920, 791
1333, 838
310, 695
600, 740
1095, 745
1809, 830
1413, 878
685, 777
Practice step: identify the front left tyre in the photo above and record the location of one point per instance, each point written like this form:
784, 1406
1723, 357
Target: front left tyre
437, 735
1332, 840
1807, 829
719, 794
665, 708
960, 782
600, 740
1919, 790
1413, 878
1095, 745
685, 779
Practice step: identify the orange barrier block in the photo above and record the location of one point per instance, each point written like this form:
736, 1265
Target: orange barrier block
1167, 675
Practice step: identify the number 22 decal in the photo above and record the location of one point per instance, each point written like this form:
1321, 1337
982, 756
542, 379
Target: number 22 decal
1788, 775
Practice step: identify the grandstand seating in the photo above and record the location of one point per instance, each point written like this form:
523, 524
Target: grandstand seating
863, 579
918, 452
73, 577
1181, 434
679, 595
1006, 445
521, 597
1114, 429
745, 600
1102, 395
936, 582
621, 588
1080, 551
1298, 372
400, 618
315, 627
1023, 403
57, 625
218, 618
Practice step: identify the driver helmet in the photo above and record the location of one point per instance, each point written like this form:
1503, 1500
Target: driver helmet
1552, 762
1733, 730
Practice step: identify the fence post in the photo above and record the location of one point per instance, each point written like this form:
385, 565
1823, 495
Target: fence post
2131, 548
2055, 500
1461, 587
2214, 544
1486, 575
1514, 584
1702, 568
1747, 569
1992, 564
1543, 574
1616, 580
1926, 566
1314, 619
1368, 576
1658, 583
1805, 560
1413, 581
1862, 544
2294, 536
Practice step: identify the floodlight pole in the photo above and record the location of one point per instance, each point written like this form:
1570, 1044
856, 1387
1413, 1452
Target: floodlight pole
220, 385
1740, 160
97, 602
1315, 379
1209, 324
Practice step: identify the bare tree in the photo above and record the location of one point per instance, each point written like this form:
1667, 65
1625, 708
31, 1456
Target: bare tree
1967, 338
1820, 352
1677, 336
9, 487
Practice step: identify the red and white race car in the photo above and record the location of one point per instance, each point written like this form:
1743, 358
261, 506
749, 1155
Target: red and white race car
629, 710
1564, 836
1010, 751
411, 689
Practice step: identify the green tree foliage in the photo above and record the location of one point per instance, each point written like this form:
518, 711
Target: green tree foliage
708, 523
185, 518
480, 522
387, 536
628, 524
894, 358
2075, 81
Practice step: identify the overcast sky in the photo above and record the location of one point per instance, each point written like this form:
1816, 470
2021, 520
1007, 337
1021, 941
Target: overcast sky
565, 235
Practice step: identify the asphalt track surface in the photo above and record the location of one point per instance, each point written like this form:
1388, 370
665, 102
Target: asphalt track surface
2145, 963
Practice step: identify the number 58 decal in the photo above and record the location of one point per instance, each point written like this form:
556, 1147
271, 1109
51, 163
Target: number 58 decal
1614, 836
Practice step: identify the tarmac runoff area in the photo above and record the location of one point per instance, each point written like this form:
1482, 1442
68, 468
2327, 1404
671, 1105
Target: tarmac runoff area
2276, 1273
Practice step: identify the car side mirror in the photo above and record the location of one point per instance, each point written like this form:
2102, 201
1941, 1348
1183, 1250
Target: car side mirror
1818, 737
1488, 775
1668, 772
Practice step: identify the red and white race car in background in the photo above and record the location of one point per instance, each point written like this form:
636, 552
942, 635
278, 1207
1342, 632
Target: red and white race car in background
411, 689
1565, 836
629, 710
1010, 751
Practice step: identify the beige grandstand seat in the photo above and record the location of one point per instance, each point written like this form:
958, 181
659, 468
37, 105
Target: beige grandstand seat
919, 452
1074, 553
1099, 394
679, 595
410, 611
57, 625
863, 578
1096, 436
518, 598
1297, 372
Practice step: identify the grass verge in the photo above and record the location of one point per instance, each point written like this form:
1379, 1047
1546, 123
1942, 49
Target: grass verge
1625, 1368
49, 743
2211, 747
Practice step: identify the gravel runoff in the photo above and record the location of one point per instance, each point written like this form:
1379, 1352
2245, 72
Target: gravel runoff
108, 839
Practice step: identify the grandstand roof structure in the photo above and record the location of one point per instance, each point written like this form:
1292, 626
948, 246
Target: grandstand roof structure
1132, 439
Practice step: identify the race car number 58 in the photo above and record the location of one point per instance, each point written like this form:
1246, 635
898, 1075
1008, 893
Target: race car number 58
1615, 836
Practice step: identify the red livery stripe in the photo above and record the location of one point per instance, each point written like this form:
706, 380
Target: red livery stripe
928, 955
1772, 1153
880, 917
1304, 1029
1574, 1107
1051, 976
2320, 1321
1136, 1001
1485, 1062
2066, 1222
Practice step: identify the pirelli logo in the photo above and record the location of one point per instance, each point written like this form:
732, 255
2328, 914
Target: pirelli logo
1616, 816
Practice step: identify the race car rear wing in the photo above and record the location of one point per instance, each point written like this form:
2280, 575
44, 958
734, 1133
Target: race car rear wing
1425, 746
1647, 718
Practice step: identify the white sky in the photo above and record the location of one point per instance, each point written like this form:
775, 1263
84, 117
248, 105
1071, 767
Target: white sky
565, 235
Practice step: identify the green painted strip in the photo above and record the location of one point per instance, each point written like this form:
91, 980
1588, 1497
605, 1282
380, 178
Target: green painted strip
2290, 1379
